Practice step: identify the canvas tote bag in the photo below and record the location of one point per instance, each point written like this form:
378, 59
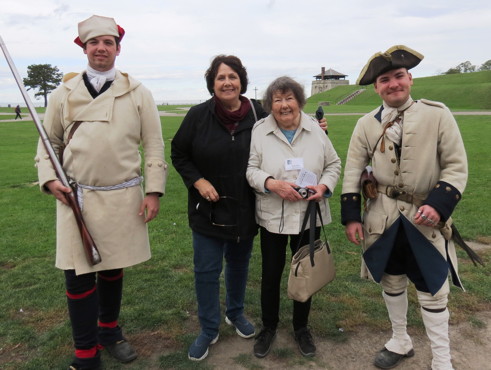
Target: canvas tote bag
312, 266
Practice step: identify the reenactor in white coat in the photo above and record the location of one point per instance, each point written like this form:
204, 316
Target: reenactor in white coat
417, 174
101, 117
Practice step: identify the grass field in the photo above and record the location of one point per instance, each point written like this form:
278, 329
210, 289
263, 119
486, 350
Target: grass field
159, 308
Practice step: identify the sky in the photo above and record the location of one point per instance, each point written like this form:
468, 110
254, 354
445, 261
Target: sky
169, 44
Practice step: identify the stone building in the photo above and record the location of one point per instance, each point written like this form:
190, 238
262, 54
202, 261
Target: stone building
327, 80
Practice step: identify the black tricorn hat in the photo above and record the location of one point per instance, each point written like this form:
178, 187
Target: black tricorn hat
398, 56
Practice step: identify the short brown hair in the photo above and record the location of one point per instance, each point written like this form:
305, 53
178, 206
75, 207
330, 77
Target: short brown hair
284, 84
233, 62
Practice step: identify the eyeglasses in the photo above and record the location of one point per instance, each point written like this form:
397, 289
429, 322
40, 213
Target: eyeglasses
229, 203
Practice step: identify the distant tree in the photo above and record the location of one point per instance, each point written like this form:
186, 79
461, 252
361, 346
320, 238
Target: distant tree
43, 77
452, 71
486, 66
464, 67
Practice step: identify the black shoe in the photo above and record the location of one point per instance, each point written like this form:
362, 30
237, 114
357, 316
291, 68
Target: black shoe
305, 342
386, 359
121, 351
91, 363
264, 340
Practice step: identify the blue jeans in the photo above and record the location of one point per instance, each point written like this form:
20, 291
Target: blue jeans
208, 264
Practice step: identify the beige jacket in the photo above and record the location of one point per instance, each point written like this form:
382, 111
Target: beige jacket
269, 150
104, 151
432, 152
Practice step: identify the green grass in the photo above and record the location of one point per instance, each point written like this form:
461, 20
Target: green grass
159, 307
464, 91
182, 109
7, 117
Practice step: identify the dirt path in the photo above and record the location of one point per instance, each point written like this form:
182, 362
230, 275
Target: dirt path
471, 350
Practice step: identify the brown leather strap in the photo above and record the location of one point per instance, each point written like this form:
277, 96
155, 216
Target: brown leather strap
74, 128
398, 119
400, 194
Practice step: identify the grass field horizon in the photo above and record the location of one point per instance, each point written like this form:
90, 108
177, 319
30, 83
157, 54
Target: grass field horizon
159, 303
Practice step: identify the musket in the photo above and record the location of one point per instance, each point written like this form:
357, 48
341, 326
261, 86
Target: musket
90, 248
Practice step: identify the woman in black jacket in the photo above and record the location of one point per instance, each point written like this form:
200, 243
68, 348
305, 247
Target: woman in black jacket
210, 151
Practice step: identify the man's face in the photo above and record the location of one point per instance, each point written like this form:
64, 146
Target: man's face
102, 52
394, 86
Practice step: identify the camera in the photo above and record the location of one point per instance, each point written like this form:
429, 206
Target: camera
304, 192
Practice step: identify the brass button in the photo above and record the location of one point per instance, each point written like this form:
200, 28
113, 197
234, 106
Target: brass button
448, 188
393, 160
149, 165
402, 209
457, 196
396, 172
391, 147
345, 199
401, 185
433, 235
370, 230
437, 186
355, 197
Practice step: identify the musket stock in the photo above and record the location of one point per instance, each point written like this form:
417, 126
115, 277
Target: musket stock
90, 248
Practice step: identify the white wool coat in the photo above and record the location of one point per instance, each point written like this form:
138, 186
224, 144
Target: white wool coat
104, 151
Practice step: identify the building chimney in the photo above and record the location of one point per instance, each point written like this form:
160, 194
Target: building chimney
323, 72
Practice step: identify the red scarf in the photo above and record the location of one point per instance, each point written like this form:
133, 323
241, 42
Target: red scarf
231, 119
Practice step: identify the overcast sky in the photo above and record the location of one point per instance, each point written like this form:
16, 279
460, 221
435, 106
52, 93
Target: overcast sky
169, 44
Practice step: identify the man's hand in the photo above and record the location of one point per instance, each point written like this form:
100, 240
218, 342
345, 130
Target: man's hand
150, 204
427, 216
58, 190
354, 232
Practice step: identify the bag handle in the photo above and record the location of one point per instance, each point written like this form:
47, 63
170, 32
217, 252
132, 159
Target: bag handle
313, 209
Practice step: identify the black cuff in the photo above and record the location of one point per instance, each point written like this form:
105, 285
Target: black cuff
444, 198
350, 207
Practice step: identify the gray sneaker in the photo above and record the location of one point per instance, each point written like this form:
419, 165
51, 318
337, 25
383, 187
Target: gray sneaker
199, 349
242, 326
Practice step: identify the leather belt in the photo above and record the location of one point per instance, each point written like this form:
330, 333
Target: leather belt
395, 192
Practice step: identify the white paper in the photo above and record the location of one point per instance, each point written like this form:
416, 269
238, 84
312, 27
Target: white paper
306, 178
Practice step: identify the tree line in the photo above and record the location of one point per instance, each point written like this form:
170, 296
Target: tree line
466, 67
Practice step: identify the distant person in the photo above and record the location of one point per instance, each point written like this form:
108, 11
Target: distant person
418, 158
108, 115
285, 143
18, 112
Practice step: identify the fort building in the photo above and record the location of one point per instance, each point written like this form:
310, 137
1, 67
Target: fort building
327, 80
